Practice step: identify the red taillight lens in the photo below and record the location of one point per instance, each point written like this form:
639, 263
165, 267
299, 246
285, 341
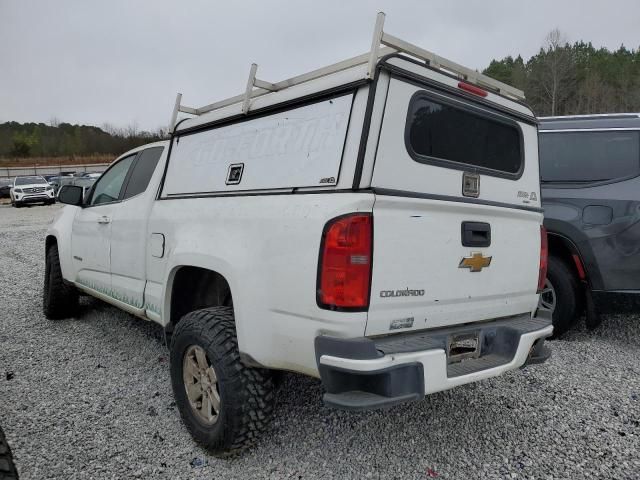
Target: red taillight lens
344, 271
544, 258
472, 89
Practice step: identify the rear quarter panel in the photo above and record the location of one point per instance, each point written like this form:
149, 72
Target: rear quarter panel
608, 244
267, 248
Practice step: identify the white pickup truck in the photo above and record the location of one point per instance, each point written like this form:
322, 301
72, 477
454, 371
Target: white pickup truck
375, 224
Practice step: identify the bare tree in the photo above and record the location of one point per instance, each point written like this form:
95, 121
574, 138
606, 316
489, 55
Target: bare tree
110, 129
132, 131
553, 74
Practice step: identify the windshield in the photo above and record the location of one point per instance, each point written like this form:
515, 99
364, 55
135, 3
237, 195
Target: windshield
29, 180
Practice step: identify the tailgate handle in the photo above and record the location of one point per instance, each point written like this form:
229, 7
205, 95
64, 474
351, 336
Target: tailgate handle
476, 234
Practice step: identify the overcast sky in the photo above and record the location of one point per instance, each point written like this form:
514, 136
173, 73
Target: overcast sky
122, 61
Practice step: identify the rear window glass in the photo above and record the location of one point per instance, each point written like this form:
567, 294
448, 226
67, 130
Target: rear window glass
589, 156
444, 133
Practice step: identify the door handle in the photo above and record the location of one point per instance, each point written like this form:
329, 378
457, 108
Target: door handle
104, 220
476, 234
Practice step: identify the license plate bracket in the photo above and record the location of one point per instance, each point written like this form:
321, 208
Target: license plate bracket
461, 346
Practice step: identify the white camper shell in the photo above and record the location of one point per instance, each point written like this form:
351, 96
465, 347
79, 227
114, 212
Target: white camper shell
375, 223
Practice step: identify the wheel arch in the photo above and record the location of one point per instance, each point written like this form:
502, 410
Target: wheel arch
64, 253
49, 241
191, 287
572, 240
565, 249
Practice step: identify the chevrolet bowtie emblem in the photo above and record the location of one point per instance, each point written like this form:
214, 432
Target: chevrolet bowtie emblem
476, 262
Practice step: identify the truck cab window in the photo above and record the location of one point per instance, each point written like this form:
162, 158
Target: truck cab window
142, 171
107, 188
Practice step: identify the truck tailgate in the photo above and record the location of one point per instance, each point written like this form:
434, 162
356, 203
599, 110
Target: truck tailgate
418, 281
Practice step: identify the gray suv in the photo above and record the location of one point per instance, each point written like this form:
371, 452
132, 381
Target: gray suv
590, 173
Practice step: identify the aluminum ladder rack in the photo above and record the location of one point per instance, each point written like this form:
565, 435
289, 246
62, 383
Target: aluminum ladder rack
382, 44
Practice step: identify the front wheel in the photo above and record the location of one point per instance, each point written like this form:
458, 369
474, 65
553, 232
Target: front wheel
59, 299
561, 296
224, 404
7, 468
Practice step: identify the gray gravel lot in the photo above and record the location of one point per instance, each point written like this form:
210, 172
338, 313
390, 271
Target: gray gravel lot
91, 398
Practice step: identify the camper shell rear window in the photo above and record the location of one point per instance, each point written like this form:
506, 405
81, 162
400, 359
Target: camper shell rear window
445, 132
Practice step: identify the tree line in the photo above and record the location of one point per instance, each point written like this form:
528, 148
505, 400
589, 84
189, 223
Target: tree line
56, 139
565, 79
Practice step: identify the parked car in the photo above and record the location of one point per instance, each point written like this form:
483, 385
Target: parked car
371, 233
5, 187
590, 171
58, 180
54, 181
85, 180
31, 189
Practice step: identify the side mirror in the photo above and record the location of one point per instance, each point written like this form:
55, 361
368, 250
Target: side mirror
71, 195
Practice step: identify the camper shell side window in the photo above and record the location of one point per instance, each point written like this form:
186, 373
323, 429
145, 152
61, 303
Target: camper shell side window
449, 133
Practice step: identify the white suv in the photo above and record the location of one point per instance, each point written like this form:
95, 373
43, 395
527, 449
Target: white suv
375, 224
31, 189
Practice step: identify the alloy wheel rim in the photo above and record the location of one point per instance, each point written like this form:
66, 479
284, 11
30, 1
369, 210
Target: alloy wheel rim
201, 385
548, 297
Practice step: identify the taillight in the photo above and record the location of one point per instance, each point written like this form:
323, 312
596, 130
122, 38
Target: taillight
344, 269
472, 89
544, 258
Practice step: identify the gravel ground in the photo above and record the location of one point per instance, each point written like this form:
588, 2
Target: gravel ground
91, 398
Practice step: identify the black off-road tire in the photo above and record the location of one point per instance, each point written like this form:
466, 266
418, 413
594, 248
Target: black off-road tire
17, 204
7, 468
247, 395
569, 300
59, 299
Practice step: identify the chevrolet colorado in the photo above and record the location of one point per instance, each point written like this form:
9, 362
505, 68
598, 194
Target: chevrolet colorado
376, 224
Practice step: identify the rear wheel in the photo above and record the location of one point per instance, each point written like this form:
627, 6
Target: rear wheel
59, 299
224, 404
561, 296
7, 468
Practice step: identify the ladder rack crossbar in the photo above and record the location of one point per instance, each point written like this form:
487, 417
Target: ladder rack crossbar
390, 44
439, 62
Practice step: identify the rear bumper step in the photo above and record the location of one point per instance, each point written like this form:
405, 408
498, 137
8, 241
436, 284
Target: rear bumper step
366, 373
356, 400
